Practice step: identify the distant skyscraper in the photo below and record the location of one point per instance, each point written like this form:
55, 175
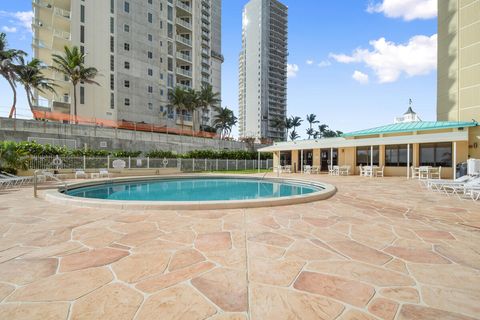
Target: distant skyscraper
263, 69
142, 50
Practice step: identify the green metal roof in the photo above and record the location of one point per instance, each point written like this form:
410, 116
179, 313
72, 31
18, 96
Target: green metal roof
410, 127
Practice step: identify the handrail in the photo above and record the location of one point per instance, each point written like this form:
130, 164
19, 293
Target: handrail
35, 182
271, 168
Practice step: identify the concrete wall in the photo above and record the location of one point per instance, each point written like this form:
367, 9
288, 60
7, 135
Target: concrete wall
21, 130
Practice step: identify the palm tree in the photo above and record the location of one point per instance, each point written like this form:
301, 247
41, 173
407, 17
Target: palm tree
288, 125
224, 121
7, 67
278, 123
72, 65
12, 157
178, 98
192, 103
208, 98
30, 76
296, 122
294, 135
311, 119
310, 132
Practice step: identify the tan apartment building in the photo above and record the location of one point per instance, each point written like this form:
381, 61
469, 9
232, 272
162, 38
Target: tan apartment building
458, 93
141, 48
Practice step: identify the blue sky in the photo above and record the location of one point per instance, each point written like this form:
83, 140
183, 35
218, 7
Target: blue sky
341, 69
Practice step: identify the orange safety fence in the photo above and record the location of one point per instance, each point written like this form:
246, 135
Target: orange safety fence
126, 125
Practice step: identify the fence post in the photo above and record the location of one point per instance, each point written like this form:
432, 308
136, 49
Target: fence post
108, 162
84, 162
236, 164
148, 162
216, 165
227, 164
205, 164
129, 162
193, 164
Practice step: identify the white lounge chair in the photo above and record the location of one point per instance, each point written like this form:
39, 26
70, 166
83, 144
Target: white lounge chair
437, 184
104, 173
460, 189
80, 174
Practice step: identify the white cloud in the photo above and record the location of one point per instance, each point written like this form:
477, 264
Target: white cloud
406, 9
21, 19
309, 62
360, 77
9, 29
323, 64
390, 60
292, 70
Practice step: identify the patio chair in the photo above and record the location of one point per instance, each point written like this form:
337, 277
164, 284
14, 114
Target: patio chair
367, 171
80, 174
437, 184
307, 169
16, 180
379, 172
461, 188
315, 169
362, 170
424, 172
287, 169
104, 173
344, 171
435, 173
415, 173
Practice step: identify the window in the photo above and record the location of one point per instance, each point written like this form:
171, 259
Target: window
112, 82
170, 31
170, 80
126, 84
112, 100
364, 156
161, 92
112, 6
170, 13
127, 101
82, 95
82, 13
150, 106
150, 37
127, 65
150, 1
150, 72
397, 155
112, 25
112, 44
112, 63
126, 28
150, 89
126, 46
150, 55
82, 49
150, 17
170, 64
436, 154
82, 34
126, 6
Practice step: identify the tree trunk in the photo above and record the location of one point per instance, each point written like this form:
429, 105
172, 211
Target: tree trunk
14, 105
29, 99
75, 103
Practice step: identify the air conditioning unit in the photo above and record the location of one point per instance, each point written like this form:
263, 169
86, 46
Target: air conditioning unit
473, 166
103, 144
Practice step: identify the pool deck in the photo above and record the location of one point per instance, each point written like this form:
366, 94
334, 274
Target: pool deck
378, 249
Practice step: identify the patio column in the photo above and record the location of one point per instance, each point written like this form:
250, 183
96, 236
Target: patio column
371, 161
454, 164
331, 158
408, 161
301, 161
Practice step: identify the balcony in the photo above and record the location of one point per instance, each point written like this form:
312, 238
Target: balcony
184, 57
184, 40
62, 34
184, 24
184, 7
185, 73
205, 52
184, 86
205, 71
62, 13
42, 4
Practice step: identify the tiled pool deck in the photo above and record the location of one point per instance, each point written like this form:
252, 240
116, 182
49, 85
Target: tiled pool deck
378, 249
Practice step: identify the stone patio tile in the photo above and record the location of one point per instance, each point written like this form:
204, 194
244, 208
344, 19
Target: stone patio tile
353, 314
404, 294
14, 252
227, 288
112, 302
23, 271
460, 254
276, 273
360, 252
414, 312
208, 226
256, 249
137, 238
180, 302
134, 227
158, 245
92, 258
96, 237
185, 258
5, 290
136, 267
452, 299
216, 241
229, 316
383, 308
397, 265
284, 304
306, 250
362, 272
320, 222
417, 255
434, 234
269, 222
349, 291
57, 250
159, 282
185, 237
34, 311
273, 239
63, 287
234, 258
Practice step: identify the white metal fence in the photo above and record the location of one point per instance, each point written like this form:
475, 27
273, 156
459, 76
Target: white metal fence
188, 165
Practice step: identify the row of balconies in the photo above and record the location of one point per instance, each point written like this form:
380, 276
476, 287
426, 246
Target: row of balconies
184, 6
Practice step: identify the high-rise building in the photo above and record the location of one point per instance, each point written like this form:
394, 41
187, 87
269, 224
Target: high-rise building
263, 69
141, 48
458, 91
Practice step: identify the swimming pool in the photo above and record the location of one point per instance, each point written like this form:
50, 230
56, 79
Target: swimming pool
190, 192
194, 189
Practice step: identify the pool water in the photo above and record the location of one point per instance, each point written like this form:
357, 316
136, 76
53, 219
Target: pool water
194, 189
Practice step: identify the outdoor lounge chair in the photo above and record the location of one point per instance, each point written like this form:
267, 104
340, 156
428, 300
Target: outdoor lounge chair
460, 189
437, 184
16, 179
80, 174
104, 173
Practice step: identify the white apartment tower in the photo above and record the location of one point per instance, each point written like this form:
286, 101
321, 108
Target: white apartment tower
263, 69
141, 48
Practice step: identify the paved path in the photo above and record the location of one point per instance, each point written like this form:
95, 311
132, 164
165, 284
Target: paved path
378, 249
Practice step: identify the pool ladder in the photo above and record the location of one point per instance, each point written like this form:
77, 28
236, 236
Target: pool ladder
263, 177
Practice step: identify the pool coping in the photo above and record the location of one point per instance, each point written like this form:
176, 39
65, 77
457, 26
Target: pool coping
57, 197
